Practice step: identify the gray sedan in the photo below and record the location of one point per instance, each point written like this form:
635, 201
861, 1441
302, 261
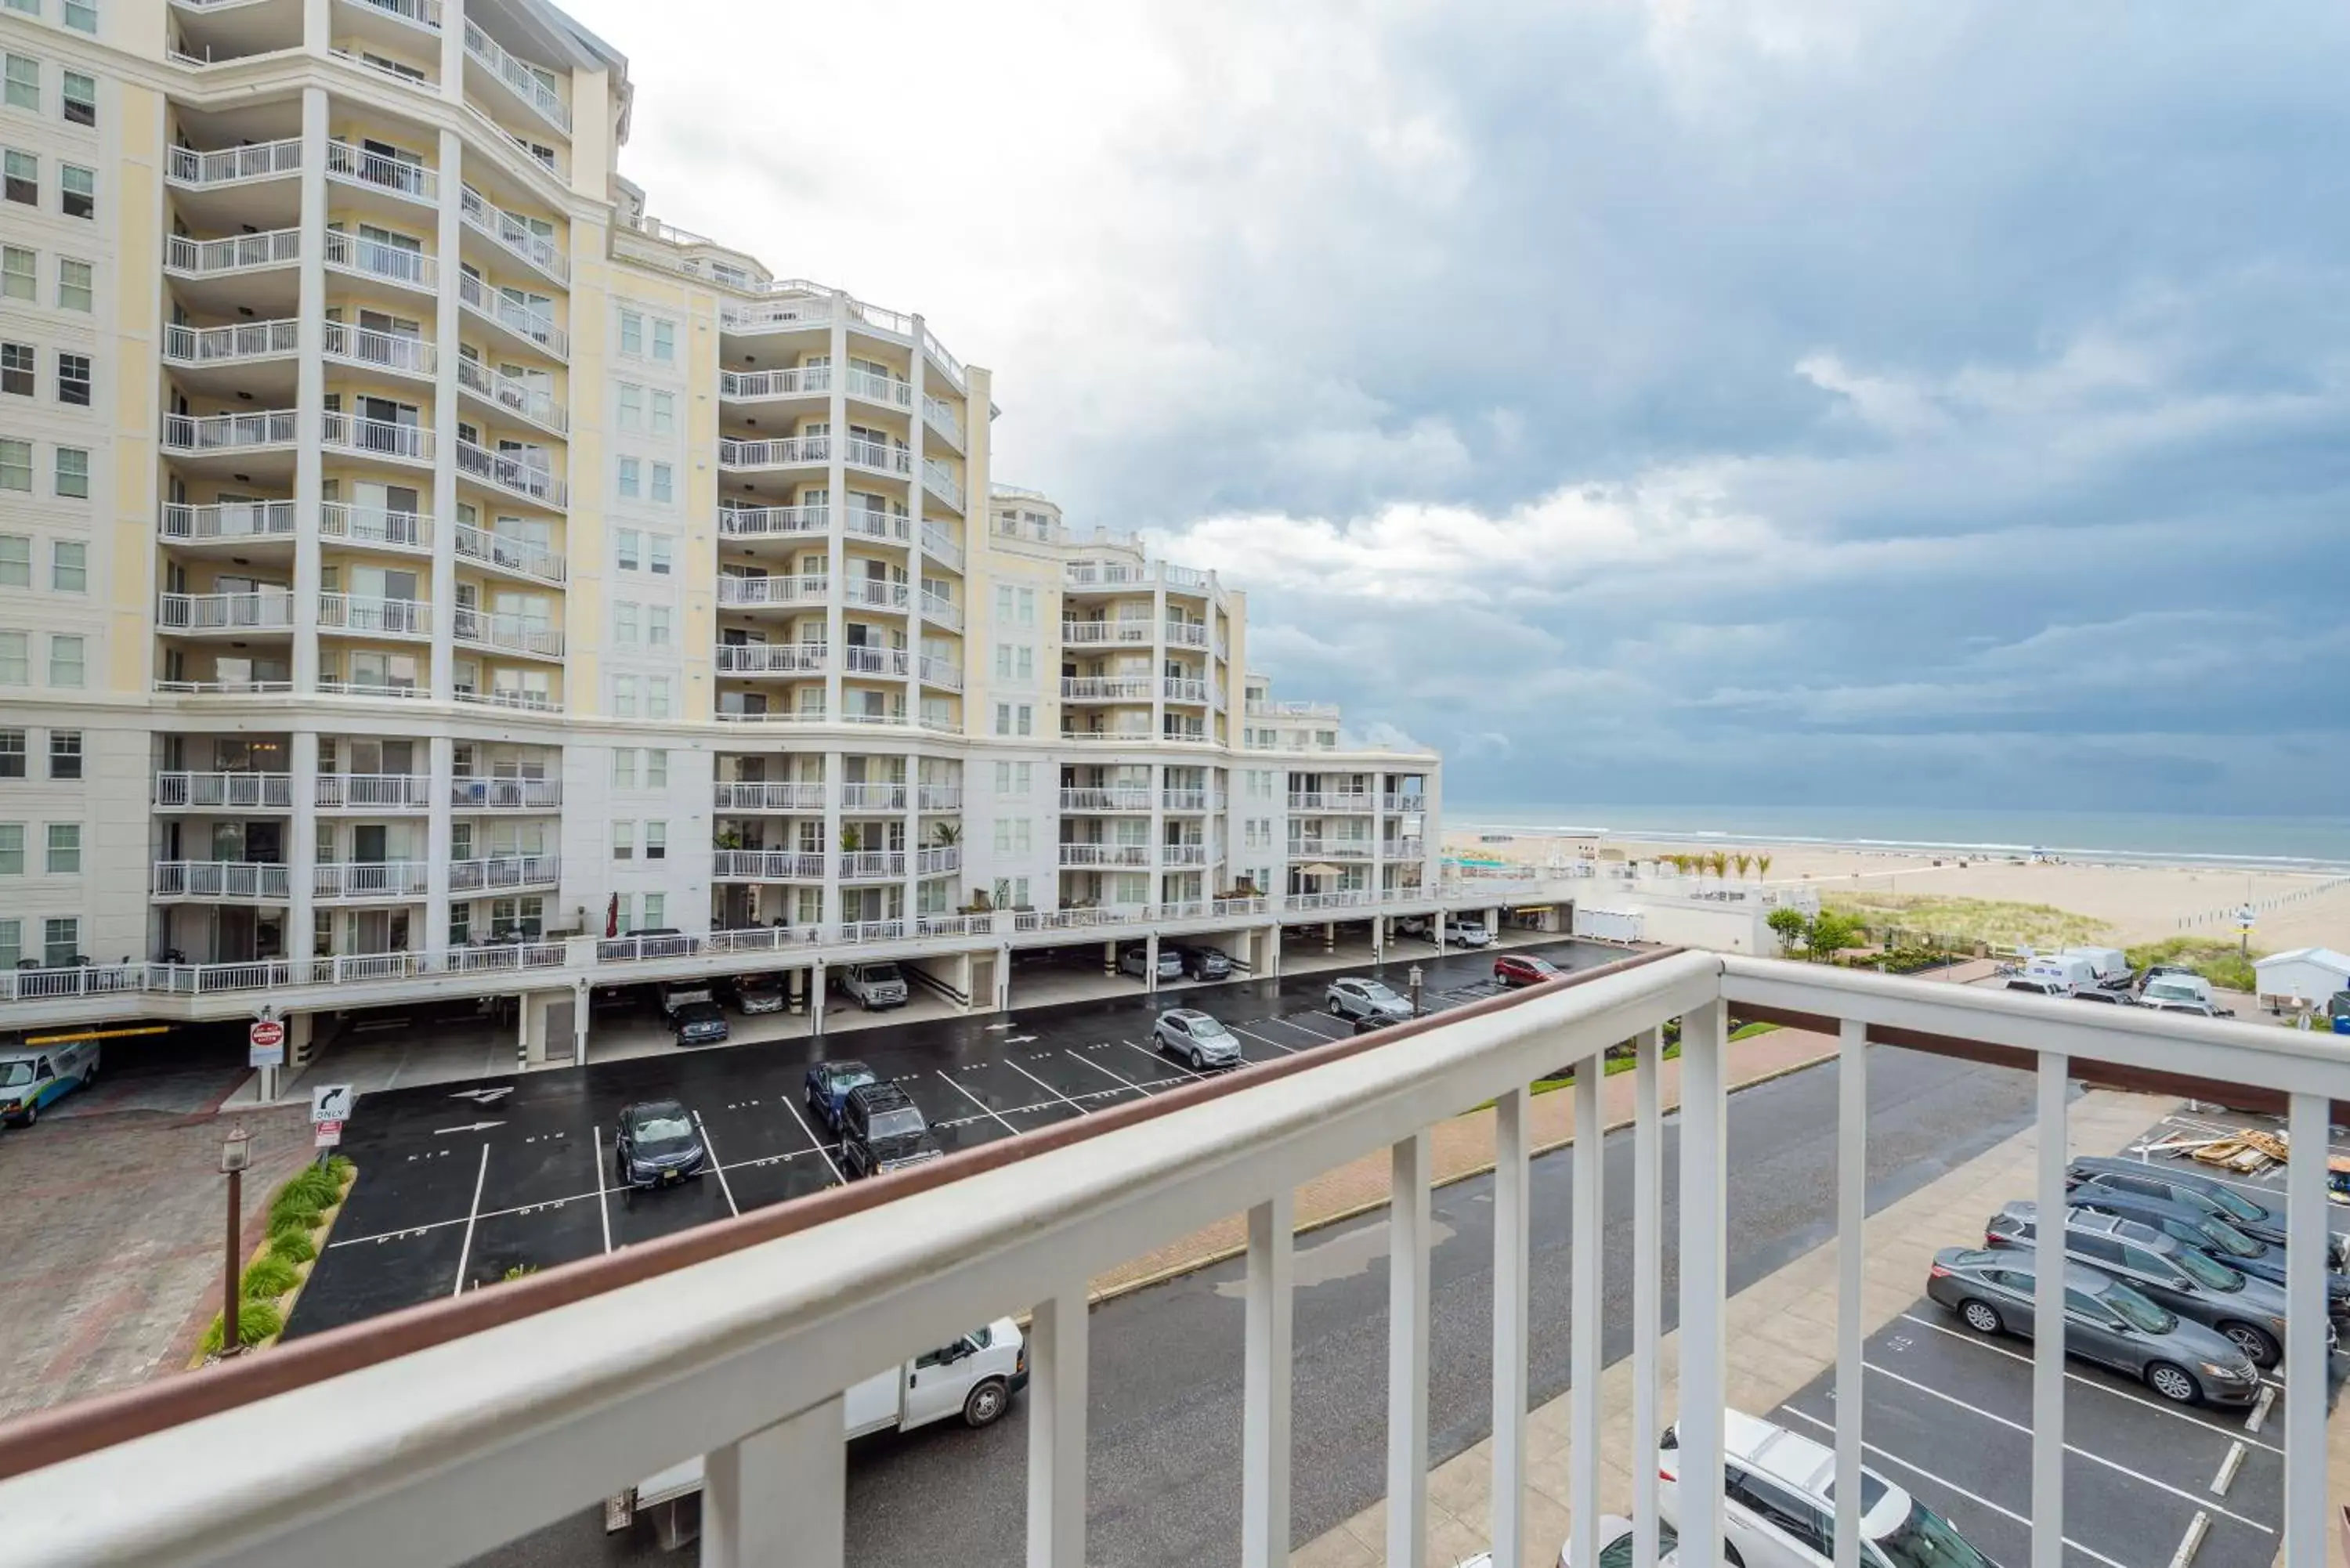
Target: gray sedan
2104, 1320
1196, 1038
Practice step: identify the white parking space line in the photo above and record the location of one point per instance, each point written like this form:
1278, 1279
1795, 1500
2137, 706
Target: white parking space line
1082, 1110
1164, 1061
821, 1146
466, 1253
1997, 1419
715, 1164
1290, 1050
983, 1104
1098, 1067
603, 1204
2172, 1411
1952, 1487
1297, 1022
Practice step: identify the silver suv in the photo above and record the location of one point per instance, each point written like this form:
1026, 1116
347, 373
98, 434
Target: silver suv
1359, 996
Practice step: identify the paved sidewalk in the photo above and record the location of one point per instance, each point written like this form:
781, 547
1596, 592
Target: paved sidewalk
1464, 1148
1781, 1332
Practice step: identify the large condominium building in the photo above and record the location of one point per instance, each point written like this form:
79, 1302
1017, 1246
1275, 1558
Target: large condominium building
420, 569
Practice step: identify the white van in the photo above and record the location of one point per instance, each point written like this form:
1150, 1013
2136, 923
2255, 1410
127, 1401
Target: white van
31, 1078
975, 1377
2111, 965
2062, 971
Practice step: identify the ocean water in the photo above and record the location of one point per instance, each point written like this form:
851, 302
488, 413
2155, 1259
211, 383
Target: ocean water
2278, 842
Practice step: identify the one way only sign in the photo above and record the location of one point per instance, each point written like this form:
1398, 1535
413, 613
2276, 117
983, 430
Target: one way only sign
330, 1103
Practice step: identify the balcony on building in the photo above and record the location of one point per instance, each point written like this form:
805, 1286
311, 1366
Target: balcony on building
500, 683
1343, 791
1093, 790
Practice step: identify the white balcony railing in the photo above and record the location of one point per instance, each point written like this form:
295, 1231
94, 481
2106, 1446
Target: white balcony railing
940, 416
767, 864
766, 794
197, 434
507, 553
868, 660
235, 521
370, 879
872, 522
941, 611
945, 673
780, 452
872, 865
937, 860
1186, 634
513, 473
505, 794
514, 234
268, 609
1132, 797
940, 480
374, 258
374, 525
358, 166
940, 796
1133, 633
243, 341
510, 633
733, 590
177, 791
373, 616
1329, 849
1185, 691
375, 792
793, 382
516, 317
1402, 849
531, 402
872, 797
1183, 855
875, 389
237, 254
235, 165
1329, 800
375, 438
1189, 800
772, 658
383, 350
250, 881
940, 546
373, 687
498, 871
873, 593
417, 12
521, 80
1105, 689
877, 457
1136, 856
765, 521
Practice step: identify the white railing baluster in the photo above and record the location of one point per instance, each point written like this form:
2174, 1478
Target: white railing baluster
1852, 1215
2306, 1253
2048, 1330
1647, 1286
778, 1498
1585, 1312
1408, 1249
1264, 1411
1704, 1205
1513, 1250
1057, 1432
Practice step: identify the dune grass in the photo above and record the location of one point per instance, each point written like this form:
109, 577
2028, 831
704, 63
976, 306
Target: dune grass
1997, 920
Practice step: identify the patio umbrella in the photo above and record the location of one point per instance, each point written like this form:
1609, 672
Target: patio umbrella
612, 917
1317, 869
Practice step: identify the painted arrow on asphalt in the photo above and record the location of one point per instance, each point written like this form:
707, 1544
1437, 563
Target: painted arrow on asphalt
469, 1127
483, 1097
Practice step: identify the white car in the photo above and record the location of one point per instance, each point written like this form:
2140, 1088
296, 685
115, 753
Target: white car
1776, 1512
1192, 1037
1467, 934
1615, 1546
1355, 996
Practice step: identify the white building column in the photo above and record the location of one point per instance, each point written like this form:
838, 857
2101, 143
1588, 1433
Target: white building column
836, 773
302, 837
309, 399
446, 337
440, 796
836, 485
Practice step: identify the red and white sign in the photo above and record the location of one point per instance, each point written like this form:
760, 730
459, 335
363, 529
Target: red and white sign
329, 1135
266, 1043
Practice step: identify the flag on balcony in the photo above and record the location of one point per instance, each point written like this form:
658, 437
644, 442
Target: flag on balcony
612, 917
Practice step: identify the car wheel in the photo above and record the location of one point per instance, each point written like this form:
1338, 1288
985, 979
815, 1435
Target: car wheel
2173, 1383
984, 1404
1196, 1063
1730, 1556
1336, 1010
32, 1114
1981, 1316
2254, 1343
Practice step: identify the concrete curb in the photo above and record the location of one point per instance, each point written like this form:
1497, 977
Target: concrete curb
1224, 1254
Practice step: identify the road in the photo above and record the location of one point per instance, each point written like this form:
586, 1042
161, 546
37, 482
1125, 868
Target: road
1164, 1464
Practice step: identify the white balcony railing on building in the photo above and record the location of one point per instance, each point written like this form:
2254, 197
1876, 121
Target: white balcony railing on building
375, 438
1133, 633
510, 633
1402, 849
1123, 737
937, 860
417, 12
247, 688
1404, 802
382, 350
514, 234
1186, 634
945, 673
940, 480
176, 790
239, 253
198, 434
517, 699
793, 382
235, 165
374, 615
940, 416
523, 80
496, 871
513, 472
1329, 849
767, 865
940, 796
227, 880
872, 522
517, 397
779, 452
855, 796
244, 340
1185, 799
375, 792
764, 522
1291, 709
1337, 898
1133, 797
768, 794
877, 457
1105, 689
375, 526
375, 688
269, 609
401, 176
505, 794
374, 258
771, 658
1183, 855
939, 546
865, 660
1184, 690
508, 553
875, 389
370, 878
940, 611
734, 591
871, 865
1134, 856
517, 319
235, 521
872, 593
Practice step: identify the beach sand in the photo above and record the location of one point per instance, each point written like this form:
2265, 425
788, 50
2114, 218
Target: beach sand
2134, 903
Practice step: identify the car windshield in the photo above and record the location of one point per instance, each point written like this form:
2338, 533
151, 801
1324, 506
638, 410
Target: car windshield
1377, 993
1206, 1028
2173, 991
2204, 1272
904, 1123
2228, 1239
1618, 1553
663, 1127
855, 1078
2138, 1311
1926, 1540
880, 974
15, 1074
2237, 1205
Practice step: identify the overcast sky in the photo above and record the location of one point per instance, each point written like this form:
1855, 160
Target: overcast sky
1691, 402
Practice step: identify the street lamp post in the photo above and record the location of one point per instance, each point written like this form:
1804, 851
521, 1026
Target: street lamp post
1414, 990
237, 1152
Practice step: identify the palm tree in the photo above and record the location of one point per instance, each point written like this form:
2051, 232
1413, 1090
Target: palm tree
1762, 865
1718, 863
1742, 860
945, 834
852, 841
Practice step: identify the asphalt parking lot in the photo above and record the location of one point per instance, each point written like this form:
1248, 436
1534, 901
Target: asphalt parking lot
460, 1183
1948, 1416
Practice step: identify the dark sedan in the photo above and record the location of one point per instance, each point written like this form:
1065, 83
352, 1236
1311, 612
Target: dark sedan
699, 1023
657, 1143
826, 1088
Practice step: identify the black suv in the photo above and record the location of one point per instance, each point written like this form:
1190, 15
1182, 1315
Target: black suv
1204, 963
881, 1130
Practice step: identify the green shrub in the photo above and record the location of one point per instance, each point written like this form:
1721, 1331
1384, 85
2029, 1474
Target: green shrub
255, 1321
292, 1221
266, 1278
316, 1186
1749, 1031
520, 1271
293, 1246
339, 1168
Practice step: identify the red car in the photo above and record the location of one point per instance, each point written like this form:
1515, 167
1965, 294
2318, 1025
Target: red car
1515, 970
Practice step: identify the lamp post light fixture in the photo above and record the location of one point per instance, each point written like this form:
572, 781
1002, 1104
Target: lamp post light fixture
236, 1153
1414, 990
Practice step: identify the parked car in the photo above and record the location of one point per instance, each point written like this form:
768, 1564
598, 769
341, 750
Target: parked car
1615, 1546
1198, 1039
2105, 1322
699, 1023
1359, 996
657, 1143
826, 1086
881, 1130
2164, 1270
1198, 962
2071, 975
756, 994
2102, 993
1515, 970
2111, 964
1136, 960
1778, 1506
1413, 925
873, 986
2247, 1212
33, 1077
1466, 934
2155, 972
677, 993
2196, 1228
2040, 985
2172, 994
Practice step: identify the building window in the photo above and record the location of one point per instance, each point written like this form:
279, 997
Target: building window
64, 848
1011, 836
11, 849
11, 933
77, 189
624, 622
657, 770
12, 754
624, 913
60, 943
15, 561
664, 483
628, 481
18, 269
624, 696
664, 413
656, 840
81, 15
633, 405
626, 547
624, 841
665, 342
655, 907
661, 556
74, 289
79, 102
15, 464
65, 754
632, 333
70, 567
656, 626
16, 663
624, 768
73, 379
16, 369
1015, 718
73, 472
657, 696
23, 83
20, 178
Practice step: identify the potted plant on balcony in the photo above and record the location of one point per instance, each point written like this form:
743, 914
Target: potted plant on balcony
730, 838
946, 834
851, 840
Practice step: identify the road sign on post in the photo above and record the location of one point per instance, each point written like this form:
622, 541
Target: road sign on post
330, 1134
330, 1103
266, 1043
